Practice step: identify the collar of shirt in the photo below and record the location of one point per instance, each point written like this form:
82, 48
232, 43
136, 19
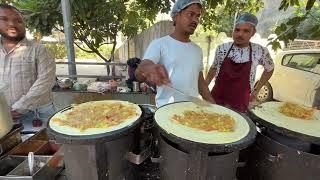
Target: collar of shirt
240, 55
23, 42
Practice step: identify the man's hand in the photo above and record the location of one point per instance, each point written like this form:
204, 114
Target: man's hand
156, 74
253, 96
15, 115
153, 73
204, 90
211, 100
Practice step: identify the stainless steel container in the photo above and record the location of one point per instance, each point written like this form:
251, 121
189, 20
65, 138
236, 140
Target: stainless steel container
17, 168
48, 159
11, 140
6, 122
66, 83
136, 86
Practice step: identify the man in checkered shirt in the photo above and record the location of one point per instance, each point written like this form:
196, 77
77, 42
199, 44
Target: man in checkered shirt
27, 68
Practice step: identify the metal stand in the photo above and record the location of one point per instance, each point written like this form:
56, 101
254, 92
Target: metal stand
99, 161
271, 160
196, 164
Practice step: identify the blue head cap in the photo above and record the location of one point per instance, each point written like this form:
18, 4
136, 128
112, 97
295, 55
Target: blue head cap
247, 18
181, 4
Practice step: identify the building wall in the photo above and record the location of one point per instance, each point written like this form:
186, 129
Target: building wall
136, 46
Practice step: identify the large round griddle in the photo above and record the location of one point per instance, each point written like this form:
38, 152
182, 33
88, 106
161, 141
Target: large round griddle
186, 143
90, 139
283, 129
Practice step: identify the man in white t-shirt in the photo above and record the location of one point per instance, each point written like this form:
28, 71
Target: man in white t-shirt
176, 61
235, 66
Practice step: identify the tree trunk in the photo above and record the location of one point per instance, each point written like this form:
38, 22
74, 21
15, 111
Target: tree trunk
37, 36
112, 57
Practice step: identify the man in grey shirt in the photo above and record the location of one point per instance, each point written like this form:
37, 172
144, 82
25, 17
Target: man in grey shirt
26, 67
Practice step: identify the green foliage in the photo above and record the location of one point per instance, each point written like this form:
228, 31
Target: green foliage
286, 3
303, 24
105, 50
7, 1
98, 22
57, 49
309, 27
80, 54
219, 14
95, 22
42, 16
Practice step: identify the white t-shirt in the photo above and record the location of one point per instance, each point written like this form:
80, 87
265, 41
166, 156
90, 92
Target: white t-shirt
260, 56
183, 62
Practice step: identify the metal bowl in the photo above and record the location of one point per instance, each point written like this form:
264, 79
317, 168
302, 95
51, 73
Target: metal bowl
65, 83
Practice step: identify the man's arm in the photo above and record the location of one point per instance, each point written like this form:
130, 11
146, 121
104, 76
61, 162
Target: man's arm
210, 75
151, 72
203, 89
263, 80
46, 70
213, 69
15, 115
267, 62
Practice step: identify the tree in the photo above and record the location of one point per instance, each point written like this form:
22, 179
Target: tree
95, 22
98, 22
42, 16
219, 14
6, 1
304, 23
310, 28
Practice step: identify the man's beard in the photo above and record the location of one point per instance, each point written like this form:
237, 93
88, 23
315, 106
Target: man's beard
17, 38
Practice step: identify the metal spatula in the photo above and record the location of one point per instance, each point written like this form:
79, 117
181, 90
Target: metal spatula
193, 99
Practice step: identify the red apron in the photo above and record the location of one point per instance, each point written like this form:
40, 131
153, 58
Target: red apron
232, 86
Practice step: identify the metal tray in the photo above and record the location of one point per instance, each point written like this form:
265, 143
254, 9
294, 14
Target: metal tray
24, 148
39, 144
12, 139
48, 159
40, 136
9, 163
42, 169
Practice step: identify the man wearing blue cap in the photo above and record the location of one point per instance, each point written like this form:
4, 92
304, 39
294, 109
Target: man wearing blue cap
235, 66
175, 60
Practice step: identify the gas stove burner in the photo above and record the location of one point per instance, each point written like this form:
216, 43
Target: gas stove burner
149, 125
148, 109
148, 116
